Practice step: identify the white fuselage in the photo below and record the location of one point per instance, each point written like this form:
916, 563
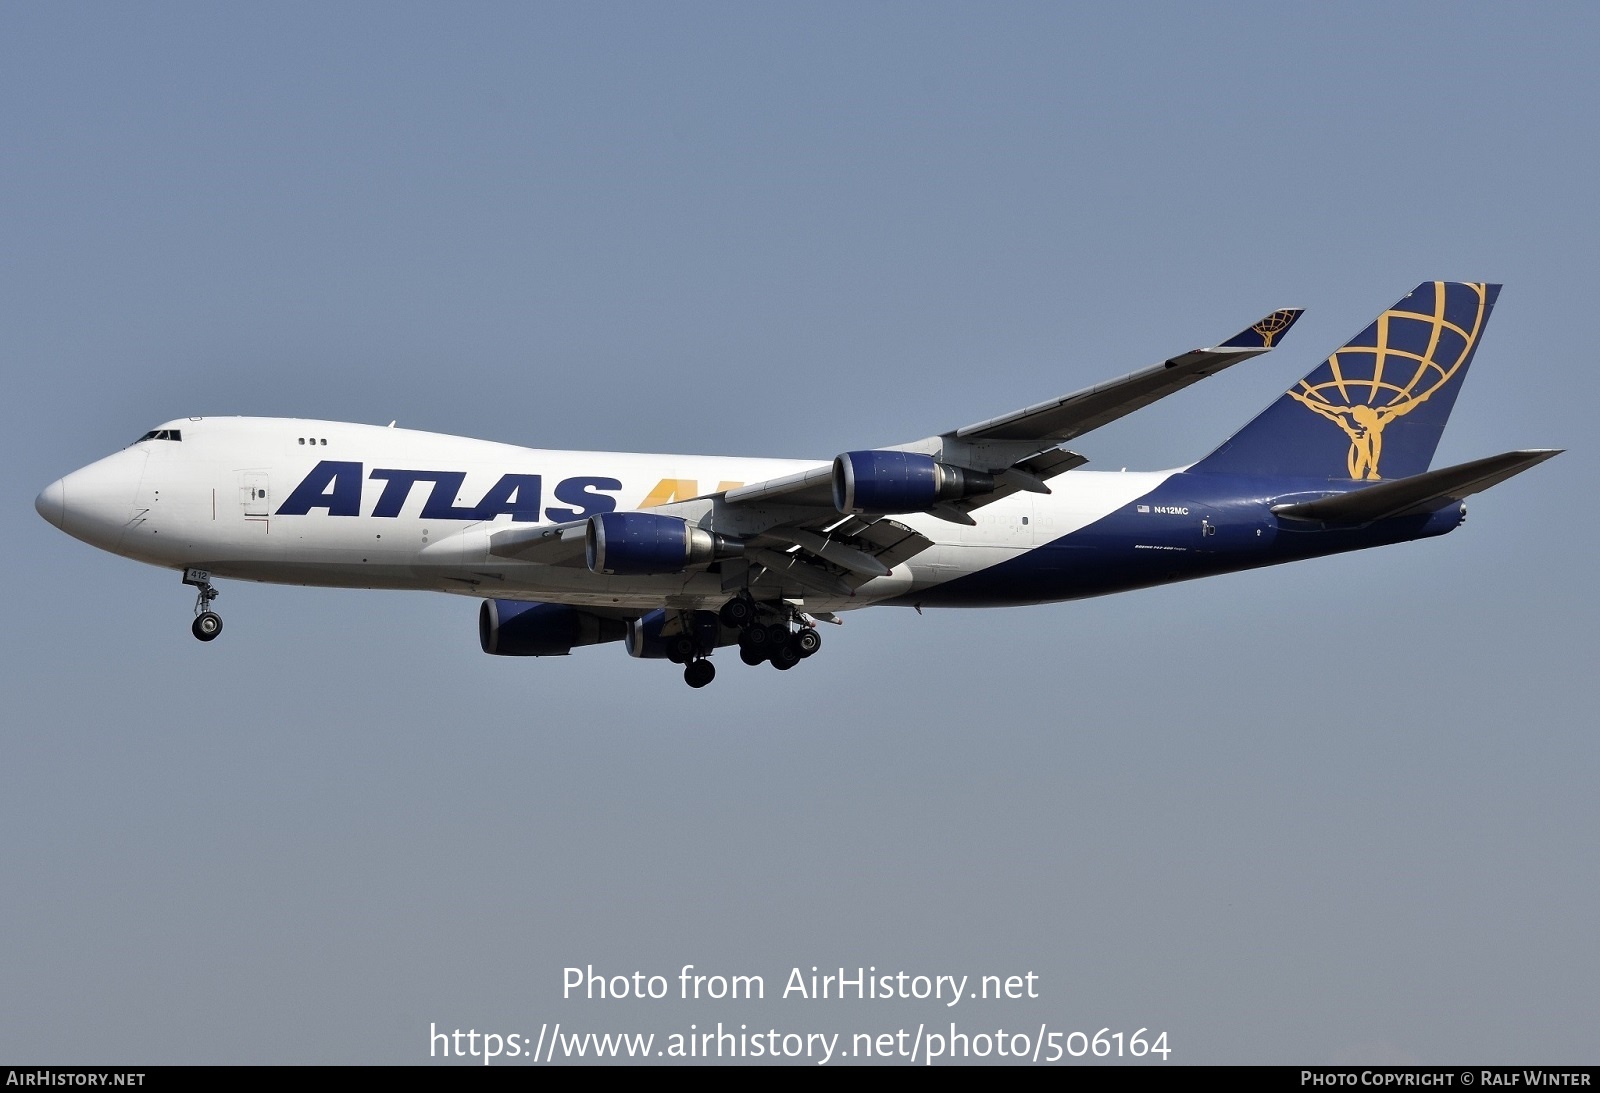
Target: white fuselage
375, 507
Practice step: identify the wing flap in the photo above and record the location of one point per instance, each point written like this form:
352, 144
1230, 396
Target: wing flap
893, 542
852, 552
840, 554
794, 567
862, 549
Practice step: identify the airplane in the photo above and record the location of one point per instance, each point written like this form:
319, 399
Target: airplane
678, 556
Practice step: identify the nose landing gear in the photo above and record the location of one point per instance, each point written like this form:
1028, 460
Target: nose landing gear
207, 623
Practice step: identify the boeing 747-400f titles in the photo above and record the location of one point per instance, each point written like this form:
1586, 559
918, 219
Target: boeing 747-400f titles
681, 555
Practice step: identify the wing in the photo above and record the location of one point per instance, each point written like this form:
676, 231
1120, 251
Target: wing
794, 535
795, 532
1021, 448
996, 444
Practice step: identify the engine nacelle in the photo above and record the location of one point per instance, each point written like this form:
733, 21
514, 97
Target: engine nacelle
637, 543
879, 483
516, 628
645, 639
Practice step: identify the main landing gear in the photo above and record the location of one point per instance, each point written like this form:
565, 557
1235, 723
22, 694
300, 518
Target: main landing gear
780, 635
697, 673
207, 623
775, 633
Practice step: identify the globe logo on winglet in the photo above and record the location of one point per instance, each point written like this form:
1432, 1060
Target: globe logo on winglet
1275, 324
1400, 362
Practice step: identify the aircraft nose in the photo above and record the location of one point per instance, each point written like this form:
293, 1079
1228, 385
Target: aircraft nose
95, 503
52, 502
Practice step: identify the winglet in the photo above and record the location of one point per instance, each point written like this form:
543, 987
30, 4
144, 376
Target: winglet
1264, 335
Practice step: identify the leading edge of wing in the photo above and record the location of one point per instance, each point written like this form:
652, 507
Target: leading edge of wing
1058, 420
1002, 443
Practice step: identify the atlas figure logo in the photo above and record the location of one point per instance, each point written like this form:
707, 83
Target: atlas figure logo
1275, 324
1396, 365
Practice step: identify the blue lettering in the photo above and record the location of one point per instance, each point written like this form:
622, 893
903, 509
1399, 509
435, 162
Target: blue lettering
397, 488
336, 486
331, 485
441, 503
517, 494
575, 491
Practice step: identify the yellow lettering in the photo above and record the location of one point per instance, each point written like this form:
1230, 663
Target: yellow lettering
669, 490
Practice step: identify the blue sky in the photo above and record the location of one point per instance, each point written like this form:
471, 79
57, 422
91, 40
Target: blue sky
1336, 811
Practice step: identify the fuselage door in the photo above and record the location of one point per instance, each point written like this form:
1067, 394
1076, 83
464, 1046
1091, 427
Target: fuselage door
255, 494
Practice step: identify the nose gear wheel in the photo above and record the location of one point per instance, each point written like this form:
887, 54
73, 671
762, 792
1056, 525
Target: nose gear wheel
207, 623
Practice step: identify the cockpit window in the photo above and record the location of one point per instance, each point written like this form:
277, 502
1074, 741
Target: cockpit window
162, 434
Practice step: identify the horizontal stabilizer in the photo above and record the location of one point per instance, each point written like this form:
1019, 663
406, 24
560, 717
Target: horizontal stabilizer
1420, 493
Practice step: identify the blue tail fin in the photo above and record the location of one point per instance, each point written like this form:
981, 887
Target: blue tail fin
1377, 407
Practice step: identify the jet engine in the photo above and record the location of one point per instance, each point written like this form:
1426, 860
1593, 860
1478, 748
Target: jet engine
648, 542
515, 628
880, 483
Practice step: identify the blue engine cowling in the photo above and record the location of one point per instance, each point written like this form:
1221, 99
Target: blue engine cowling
879, 483
636, 543
645, 638
515, 628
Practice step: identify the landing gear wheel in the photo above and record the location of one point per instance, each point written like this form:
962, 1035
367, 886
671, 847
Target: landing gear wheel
786, 655
736, 612
809, 641
207, 623
681, 648
756, 636
699, 673
751, 656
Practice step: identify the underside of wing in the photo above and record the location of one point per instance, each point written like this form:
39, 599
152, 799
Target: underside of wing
834, 558
1028, 474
